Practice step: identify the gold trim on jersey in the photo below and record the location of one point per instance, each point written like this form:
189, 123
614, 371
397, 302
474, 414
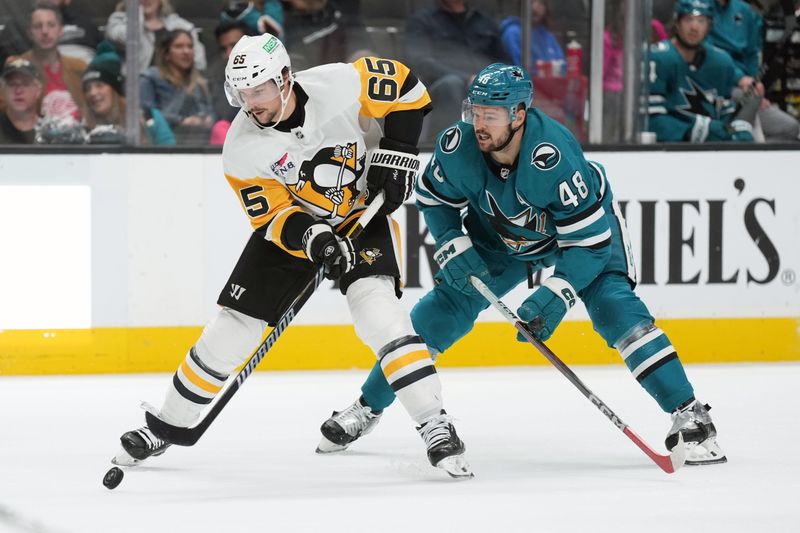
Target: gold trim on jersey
382, 82
266, 201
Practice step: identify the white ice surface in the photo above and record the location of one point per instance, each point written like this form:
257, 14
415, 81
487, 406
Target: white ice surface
545, 459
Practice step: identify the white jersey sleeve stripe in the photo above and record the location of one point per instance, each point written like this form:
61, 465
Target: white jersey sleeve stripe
591, 241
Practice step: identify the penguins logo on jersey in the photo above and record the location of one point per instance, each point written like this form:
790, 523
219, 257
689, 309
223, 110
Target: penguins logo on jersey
545, 156
450, 140
329, 180
370, 255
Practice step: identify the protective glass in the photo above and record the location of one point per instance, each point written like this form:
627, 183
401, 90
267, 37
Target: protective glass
252, 96
486, 115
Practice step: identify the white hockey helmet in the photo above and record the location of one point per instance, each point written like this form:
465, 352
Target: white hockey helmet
253, 62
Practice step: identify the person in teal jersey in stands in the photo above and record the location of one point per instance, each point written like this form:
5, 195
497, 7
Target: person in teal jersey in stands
739, 30
691, 83
508, 191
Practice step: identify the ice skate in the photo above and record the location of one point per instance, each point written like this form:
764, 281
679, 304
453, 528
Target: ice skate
345, 427
445, 449
699, 435
138, 445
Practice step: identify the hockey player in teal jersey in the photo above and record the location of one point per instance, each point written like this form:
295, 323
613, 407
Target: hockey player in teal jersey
691, 82
509, 191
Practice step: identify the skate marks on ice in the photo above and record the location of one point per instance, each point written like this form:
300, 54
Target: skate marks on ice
540, 454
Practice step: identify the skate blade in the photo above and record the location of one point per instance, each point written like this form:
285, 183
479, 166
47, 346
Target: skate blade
456, 466
326, 446
124, 459
705, 453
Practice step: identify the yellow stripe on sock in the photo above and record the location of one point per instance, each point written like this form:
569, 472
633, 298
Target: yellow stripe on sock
197, 380
405, 360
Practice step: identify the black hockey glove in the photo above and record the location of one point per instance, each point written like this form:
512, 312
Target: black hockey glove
393, 168
323, 247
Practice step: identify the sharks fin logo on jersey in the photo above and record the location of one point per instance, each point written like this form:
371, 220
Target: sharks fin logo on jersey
329, 181
523, 229
545, 156
698, 101
450, 140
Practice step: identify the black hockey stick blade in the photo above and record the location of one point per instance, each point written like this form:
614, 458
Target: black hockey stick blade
188, 436
668, 463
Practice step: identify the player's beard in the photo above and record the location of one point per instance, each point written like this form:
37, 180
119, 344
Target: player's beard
498, 144
502, 142
265, 119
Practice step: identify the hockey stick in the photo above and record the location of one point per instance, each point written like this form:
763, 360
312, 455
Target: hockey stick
668, 463
188, 436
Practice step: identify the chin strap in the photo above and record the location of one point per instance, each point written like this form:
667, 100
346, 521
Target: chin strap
511, 134
284, 103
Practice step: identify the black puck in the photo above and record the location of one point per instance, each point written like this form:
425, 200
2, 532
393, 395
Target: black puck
113, 478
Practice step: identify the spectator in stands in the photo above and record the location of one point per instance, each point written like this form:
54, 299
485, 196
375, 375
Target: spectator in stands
63, 94
79, 39
738, 30
544, 45
158, 19
21, 87
176, 87
691, 82
105, 115
264, 16
81, 36
322, 31
447, 44
227, 34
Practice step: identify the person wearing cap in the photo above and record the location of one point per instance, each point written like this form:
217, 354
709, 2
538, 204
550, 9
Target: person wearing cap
62, 94
105, 114
21, 88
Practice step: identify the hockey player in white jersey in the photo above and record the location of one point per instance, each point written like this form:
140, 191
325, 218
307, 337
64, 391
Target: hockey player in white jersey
298, 156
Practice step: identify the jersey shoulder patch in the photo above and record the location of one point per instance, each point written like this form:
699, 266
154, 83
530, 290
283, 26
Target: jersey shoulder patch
545, 156
450, 140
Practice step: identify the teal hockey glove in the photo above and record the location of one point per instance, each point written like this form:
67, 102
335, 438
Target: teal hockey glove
458, 260
545, 308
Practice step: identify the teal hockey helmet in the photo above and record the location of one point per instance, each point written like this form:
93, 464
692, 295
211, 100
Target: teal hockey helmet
499, 85
694, 7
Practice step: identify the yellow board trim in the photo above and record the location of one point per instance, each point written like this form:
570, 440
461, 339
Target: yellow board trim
127, 350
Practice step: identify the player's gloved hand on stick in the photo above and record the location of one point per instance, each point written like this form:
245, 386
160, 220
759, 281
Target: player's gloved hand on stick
393, 168
545, 308
323, 247
458, 260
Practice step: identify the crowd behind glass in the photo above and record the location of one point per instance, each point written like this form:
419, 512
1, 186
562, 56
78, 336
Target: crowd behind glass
64, 61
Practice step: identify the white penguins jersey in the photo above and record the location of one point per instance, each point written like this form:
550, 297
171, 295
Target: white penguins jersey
318, 167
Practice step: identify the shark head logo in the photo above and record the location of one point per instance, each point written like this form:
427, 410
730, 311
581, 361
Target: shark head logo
545, 156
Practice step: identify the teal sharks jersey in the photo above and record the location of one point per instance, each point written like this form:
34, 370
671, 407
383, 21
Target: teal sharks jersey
550, 207
692, 102
738, 30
